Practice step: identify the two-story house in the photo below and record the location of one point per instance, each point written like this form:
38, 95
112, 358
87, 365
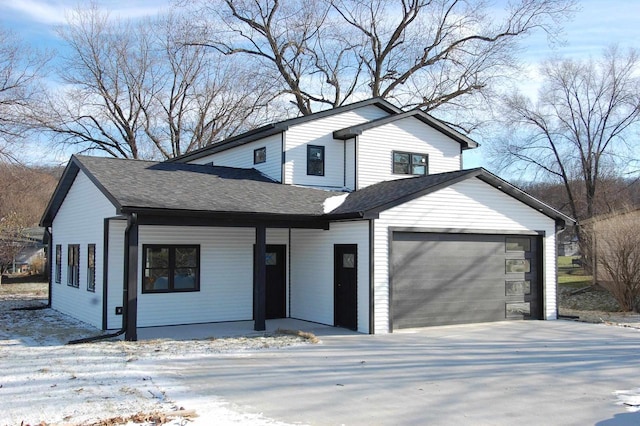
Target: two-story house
360, 217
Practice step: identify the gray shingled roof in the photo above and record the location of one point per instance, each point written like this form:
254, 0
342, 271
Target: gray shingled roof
385, 194
178, 186
136, 184
143, 186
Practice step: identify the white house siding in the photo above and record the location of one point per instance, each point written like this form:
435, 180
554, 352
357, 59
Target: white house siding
376, 145
115, 272
350, 164
470, 204
80, 221
242, 156
226, 277
320, 132
312, 271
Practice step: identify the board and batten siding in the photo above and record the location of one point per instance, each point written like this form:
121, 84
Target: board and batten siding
312, 270
242, 157
376, 146
80, 220
467, 205
320, 132
115, 272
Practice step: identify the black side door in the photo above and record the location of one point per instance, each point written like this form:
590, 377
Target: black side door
346, 286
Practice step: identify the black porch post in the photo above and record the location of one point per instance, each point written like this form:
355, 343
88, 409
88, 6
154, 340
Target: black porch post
260, 279
131, 280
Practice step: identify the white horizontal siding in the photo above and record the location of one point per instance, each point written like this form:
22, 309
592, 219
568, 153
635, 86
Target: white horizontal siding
80, 220
375, 148
470, 204
350, 164
320, 132
115, 272
226, 277
242, 157
312, 281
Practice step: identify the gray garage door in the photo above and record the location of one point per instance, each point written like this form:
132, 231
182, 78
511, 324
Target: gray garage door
439, 279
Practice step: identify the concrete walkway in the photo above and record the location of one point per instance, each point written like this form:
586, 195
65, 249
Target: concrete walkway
237, 329
525, 372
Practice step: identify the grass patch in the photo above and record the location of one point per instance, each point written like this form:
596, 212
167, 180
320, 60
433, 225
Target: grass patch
304, 334
570, 275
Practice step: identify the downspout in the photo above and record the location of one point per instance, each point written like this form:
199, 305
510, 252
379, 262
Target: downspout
48, 235
131, 222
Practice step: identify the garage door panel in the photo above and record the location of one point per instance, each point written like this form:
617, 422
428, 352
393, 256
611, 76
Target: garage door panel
439, 279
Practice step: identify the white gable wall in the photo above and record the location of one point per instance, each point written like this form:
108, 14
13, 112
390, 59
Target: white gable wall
80, 220
312, 270
320, 132
376, 146
242, 156
470, 204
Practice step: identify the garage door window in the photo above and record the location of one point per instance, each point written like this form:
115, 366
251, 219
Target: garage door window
518, 244
518, 266
518, 310
517, 288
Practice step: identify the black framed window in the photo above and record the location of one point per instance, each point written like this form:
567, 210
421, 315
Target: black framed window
410, 163
73, 265
259, 155
91, 267
170, 268
58, 263
315, 160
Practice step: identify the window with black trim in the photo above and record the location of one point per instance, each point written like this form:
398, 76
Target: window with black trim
58, 263
315, 160
170, 268
259, 155
91, 267
73, 265
410, 163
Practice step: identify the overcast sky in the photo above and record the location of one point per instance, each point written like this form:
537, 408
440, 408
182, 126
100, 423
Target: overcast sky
598, 24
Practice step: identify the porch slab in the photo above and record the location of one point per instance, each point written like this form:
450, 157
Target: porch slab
236, 329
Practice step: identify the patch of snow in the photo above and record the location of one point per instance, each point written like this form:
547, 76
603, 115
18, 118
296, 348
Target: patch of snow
630, 399
332, 203
46, 381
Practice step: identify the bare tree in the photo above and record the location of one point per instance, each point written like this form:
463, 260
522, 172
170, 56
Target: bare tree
578, 130
20, 69
616, 243
12, 240
423, 53
135, 90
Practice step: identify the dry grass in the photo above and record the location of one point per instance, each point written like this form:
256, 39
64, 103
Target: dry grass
312, 338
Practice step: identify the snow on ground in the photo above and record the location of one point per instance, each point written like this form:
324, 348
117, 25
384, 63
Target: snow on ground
45, 381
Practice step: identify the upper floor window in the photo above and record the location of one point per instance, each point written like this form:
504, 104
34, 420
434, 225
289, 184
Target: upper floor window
73, 265
91, 267
259, 155
315, 160
170, 268
410, 163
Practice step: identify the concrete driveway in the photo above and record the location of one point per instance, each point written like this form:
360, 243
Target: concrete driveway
526, 372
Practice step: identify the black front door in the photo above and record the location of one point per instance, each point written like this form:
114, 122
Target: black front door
276, 281
346, 285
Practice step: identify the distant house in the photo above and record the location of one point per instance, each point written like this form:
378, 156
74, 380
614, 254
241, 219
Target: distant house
33, 252
359, 217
